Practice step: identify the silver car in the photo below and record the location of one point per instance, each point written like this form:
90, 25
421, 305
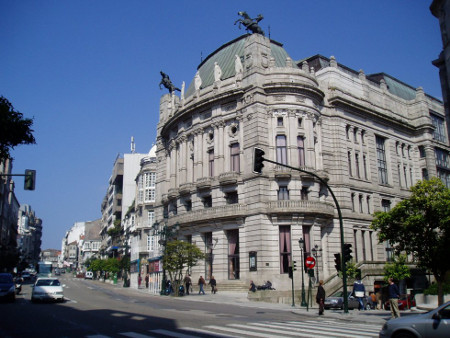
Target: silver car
47, 289
435, 323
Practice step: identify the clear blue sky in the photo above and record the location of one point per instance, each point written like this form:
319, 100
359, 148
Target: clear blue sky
88, 73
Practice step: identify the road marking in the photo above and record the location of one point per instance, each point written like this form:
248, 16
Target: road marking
243, 332
210, 333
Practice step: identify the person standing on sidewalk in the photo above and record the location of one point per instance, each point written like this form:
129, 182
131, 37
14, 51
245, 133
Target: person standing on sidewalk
213, 284
147, 279
187, 282
393, 298
359, 292
320, 298
201, 283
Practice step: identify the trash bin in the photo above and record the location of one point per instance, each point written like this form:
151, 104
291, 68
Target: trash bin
115, 278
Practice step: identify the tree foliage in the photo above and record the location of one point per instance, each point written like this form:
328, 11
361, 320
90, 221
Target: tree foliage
397, 269
14, 129
420, 225
179, 256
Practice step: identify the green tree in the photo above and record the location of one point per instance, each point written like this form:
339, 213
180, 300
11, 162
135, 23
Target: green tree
177, 257
420, 225
14, 129
397, 269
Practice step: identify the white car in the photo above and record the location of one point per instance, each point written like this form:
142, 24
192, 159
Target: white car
88, 275
47, 289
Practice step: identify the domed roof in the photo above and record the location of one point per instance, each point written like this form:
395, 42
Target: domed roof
225, 57
152, 152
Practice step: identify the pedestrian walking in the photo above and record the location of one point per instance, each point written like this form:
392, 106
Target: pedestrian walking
147, 279
139, 281
187, 283
201, 283
213, 284
393, 298
379, 299
359, 292
320, 298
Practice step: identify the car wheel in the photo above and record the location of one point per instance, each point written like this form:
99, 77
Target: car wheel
368, 307
404, 334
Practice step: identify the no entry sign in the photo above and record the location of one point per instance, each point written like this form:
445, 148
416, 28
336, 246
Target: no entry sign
310, 262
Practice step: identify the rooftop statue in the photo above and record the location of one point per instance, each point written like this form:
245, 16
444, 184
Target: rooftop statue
165, 81
250, 24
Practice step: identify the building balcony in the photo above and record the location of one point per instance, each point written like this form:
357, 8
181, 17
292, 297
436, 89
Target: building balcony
172, 193
228, 178
300, 207
186, 188
282, 172
204, 183
208, 214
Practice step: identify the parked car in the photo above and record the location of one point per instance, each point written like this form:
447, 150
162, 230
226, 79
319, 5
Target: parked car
7, 287
88, 275
435, 323
26, 276
336, 301
47, 289
405, 302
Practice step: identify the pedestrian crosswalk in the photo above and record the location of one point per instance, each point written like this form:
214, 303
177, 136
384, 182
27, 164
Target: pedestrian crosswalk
311, 328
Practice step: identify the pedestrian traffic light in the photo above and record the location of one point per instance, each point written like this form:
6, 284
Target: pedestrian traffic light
337, 262
30, 179
258, 160
347, 253
292, 268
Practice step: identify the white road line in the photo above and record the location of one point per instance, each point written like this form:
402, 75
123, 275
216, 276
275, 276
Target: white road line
208, 332
244, 332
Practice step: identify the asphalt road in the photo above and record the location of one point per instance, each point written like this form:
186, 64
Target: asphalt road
95, 309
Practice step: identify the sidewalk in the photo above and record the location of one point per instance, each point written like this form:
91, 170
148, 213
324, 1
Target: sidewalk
376, 317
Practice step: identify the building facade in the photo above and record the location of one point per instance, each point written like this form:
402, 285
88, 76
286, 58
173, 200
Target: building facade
370, 136
29, 235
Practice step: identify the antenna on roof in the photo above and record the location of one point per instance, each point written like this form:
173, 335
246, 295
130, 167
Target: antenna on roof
269, 31
201, 57
133, 146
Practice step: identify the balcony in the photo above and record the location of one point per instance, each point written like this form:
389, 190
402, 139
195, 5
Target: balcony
228, 178
172, 193
214, 213
282, 172
186, 188
300, 207
204, 183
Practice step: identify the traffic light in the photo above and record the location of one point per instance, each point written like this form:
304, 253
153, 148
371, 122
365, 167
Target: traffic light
347, 253
258, 160
337, 262
30, 179
292, 268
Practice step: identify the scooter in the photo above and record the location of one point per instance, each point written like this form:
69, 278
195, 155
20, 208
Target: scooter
18, 285
181, 290
265, 286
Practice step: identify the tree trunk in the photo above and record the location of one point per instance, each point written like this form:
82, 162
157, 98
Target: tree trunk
440, 292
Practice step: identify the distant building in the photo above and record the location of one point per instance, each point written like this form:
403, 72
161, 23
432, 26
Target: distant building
50, 255
371, 137
91, 242
29, 235
9, 207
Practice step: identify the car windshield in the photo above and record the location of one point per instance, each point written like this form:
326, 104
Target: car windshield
337, 294
48, 282
5, 279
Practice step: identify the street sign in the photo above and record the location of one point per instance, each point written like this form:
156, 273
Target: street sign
310, 262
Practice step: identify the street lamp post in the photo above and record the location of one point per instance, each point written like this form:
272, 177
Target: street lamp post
315, 252
301, 243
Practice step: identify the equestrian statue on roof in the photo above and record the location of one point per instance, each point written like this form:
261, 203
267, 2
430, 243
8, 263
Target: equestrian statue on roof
165, 81
249, 23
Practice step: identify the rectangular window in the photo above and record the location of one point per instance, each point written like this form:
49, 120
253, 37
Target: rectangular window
232, 197
283, 193
368, 204
357, 165
285, 248
279, 121
301, 151
381, 160
422, 151
188, 205
439, 128
365, 167
150, 218
233, 254
353, 201
385, 205
442, 158
361, 204
444, 176
304, 194
207, 201
300, 122
235, 163
349, 160
405, 176
211, 162
281, 149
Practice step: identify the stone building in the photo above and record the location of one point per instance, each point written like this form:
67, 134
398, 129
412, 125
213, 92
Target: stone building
370, 136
